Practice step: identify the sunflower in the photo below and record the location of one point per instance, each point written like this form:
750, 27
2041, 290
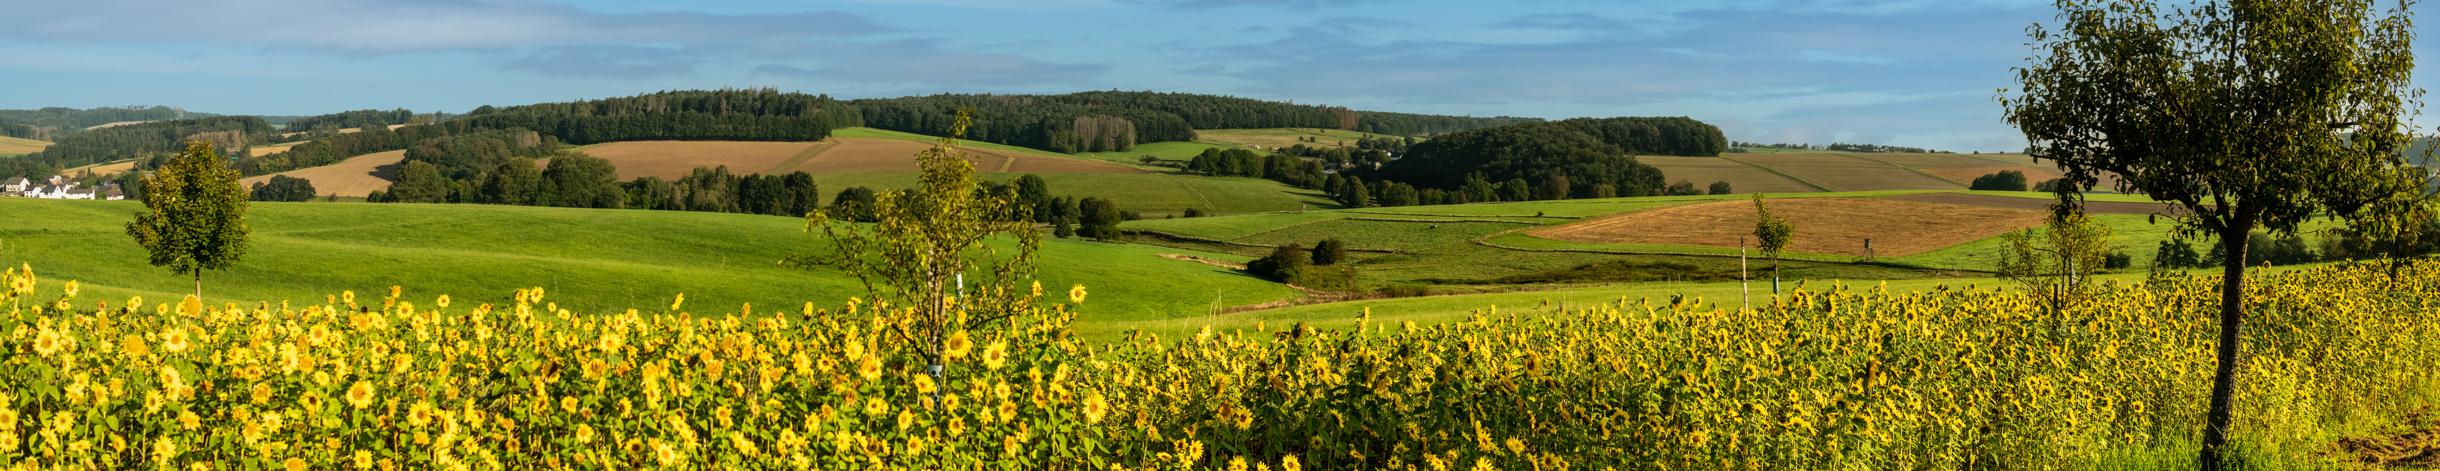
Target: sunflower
956, 347
190, 306
71, 288
869, 368
1095, 407
442, 302
875, 406
995, 355
1289, 463
1076, 294
173, 340
361, 395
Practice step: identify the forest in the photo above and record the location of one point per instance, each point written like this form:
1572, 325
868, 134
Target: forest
328, 124
734, 114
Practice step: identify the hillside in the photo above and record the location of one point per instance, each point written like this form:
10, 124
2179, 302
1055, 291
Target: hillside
1802, 171
54, 123
593, 260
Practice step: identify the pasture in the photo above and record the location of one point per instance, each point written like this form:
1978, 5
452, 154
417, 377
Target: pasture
594, 260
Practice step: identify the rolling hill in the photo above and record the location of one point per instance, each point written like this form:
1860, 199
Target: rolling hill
1806, 171
605, 259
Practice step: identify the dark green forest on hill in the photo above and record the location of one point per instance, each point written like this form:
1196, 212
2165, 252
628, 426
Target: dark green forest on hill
1117, 121
1576, 158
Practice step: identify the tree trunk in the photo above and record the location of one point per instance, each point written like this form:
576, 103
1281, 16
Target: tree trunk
2223, 379
198, 284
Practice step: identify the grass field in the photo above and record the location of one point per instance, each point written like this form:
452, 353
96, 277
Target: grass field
352, 178
10, 146
607, 260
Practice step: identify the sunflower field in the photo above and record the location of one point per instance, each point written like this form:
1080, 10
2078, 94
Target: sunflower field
1853, 378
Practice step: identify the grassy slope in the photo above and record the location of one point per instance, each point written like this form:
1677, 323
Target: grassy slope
600, 260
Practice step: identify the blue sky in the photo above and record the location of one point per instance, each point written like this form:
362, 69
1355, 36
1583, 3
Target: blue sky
1907, 72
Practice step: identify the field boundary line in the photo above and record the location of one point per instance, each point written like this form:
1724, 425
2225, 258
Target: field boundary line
1774, 171
1861, 156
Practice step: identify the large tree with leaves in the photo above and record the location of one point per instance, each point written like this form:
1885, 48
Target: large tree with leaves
2240, 114
194, 215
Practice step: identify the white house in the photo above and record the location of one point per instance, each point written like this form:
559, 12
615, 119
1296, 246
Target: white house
15, 185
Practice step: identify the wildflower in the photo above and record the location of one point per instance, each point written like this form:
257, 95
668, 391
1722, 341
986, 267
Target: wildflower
1076, 294
442, 302
675, 303
363, 459
1289, 463
348, 297
71, 288
875, 406
906, 418
163, 449
294, 464
584, 433
667, 455
1236, 463
187, 420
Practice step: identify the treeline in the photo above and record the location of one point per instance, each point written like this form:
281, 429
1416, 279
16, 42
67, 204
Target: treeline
571, 180
1049, 122
154, 139
731, 114
1286, 168
1117, 121
366, 119
54, 123
1739, 146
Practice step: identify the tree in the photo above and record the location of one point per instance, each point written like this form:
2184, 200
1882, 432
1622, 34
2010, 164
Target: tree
927, 245
580, 181
1720, 188
420, 182
194, 215
1329, 251
1098, 219
1515, 189
2004, 180
1282, 265
854, 204
284, 188
1772, 234
513, 182
2241, 114
1554, 187
2057, 266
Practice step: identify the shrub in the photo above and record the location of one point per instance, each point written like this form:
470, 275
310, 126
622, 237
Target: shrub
2004, 180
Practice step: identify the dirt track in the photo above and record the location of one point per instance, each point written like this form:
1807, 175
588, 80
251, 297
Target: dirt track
2037, 204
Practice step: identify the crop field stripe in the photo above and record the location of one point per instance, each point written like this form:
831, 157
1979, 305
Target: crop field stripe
1903, 167
811, 152
1774, 171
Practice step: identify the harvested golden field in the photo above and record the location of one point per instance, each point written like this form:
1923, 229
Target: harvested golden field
355, 177
1823, 225
1740, 177
264, 150
1841, 172
1964, 168
104, 168
19, 146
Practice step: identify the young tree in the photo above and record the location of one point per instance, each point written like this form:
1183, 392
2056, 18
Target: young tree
928, 244
194, 215
1772, 234
2242, 114
854, 204
2058, 265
